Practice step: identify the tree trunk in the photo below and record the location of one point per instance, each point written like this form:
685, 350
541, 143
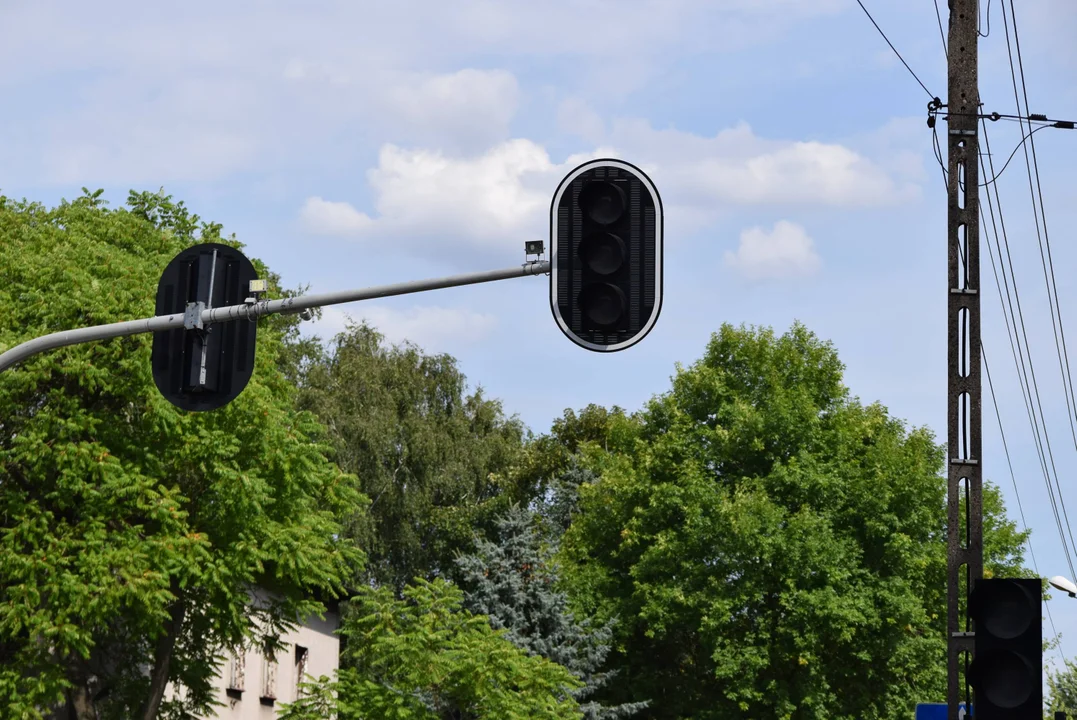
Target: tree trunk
162, 658
82, 702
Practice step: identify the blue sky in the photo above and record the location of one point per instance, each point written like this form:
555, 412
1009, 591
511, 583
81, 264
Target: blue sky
357, 143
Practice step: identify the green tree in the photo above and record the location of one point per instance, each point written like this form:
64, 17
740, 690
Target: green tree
547, 459
130, 532
511, 580
774, 547
424, 657
1062, 689
429, 455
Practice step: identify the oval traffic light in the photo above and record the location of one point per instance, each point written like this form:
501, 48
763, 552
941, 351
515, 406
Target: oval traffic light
606, 255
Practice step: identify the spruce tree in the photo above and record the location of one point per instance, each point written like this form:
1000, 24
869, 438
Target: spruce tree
510, 579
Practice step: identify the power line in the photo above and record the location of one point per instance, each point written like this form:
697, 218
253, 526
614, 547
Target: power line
1027, 402
938, 154
1017, 493
1042, 121
929, 93
988, 22
1030, 118
942, 34
1030, 384
1027, 397
938, 15
1019, 359
1018, 147
1048, 262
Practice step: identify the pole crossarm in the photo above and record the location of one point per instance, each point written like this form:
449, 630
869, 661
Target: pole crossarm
253, 311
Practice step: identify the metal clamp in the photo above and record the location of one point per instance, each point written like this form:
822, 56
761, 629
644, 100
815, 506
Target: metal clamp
192, 316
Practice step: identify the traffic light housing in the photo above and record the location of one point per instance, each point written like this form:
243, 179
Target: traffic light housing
606, 255
1007, 669
203, 368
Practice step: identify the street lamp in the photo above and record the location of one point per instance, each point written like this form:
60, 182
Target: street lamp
1064, 584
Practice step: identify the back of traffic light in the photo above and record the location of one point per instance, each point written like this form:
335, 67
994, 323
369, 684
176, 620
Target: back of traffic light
1007, 668
606, 255
201, 367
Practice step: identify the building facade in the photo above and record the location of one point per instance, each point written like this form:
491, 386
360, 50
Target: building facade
251, 686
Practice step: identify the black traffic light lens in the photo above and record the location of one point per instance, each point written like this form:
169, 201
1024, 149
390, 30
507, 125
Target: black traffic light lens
602, 201
603, 253
602, 303
1003, 678
1008, 614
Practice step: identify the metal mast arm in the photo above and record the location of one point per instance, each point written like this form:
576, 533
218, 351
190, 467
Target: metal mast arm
255, 310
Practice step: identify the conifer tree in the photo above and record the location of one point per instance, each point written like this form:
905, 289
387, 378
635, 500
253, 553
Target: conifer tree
512, 581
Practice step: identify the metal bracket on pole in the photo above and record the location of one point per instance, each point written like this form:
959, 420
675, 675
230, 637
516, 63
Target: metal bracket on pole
192, 317
202, 339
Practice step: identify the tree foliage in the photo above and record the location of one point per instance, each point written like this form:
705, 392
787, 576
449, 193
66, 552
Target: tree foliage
131, 532
769, 545
1062, 689
424, 657
429, 454
774, 547
511, 580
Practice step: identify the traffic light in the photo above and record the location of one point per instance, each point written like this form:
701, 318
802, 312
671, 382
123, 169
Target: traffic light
606, 255
1007, 670
203, 368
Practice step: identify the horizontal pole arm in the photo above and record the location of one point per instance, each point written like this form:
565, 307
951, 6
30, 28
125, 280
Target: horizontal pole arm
256, 310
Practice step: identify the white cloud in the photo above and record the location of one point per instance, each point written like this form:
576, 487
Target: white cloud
196, 128
285, 86
484, 197
803, 172
784, 252
738, 167
496, 199
493, 201
433, 328
323, 217
468, 109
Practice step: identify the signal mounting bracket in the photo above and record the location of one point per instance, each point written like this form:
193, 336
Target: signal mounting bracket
192, 315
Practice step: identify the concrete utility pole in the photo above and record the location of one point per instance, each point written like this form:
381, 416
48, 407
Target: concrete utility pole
964, 420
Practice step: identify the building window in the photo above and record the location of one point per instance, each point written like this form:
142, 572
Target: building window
237, 671
301, 656
269, 679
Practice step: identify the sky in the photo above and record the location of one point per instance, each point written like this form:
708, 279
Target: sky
350, 144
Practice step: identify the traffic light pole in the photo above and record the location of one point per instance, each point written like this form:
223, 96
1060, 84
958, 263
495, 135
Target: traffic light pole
253, 310
964, 423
